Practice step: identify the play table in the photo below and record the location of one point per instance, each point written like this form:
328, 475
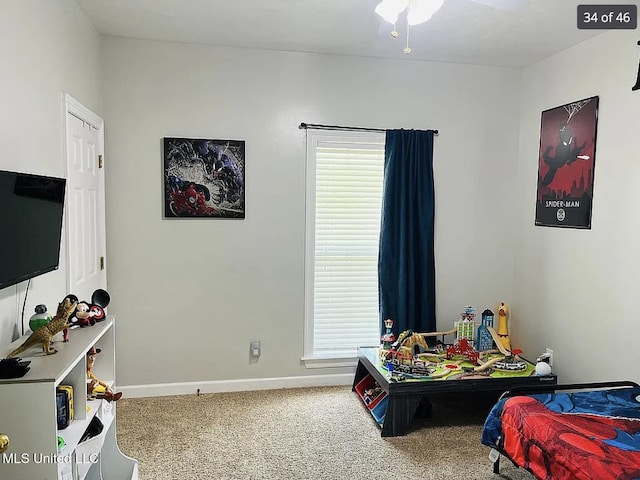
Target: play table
399, 401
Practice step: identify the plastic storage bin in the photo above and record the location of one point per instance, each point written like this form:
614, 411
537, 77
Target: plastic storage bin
365, 384
380, 410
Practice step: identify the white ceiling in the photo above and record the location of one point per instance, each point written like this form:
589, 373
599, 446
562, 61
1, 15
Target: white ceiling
463, 31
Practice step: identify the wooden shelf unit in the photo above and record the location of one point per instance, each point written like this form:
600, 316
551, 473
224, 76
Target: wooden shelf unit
28, 413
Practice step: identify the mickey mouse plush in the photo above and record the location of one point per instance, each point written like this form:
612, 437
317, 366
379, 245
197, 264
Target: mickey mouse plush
81, 317
88, 313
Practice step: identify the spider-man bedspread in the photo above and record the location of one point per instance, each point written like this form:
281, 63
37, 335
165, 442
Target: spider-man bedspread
560, 436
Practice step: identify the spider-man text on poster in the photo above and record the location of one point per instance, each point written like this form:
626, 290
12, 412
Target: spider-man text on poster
566, 164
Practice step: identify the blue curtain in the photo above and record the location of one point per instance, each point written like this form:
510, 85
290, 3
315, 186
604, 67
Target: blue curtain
406, 270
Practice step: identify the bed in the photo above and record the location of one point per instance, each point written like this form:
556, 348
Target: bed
579, 431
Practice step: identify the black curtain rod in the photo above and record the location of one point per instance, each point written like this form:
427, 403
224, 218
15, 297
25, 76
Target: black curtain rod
338, 127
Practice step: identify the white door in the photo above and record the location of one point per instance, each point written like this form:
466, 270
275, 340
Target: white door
85, 216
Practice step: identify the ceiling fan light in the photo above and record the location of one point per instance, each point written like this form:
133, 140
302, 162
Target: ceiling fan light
422, 10
390, 9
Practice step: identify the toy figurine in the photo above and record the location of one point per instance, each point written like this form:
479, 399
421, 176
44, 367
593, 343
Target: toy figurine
388, 338
371, 393
96, 388
42, 336
40, 318
82, 317
88, 313
503, 329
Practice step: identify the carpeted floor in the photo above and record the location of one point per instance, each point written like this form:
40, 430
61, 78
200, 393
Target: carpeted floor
301, 434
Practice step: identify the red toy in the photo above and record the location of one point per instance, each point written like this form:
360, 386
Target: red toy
87, 314
463, 347
81, 316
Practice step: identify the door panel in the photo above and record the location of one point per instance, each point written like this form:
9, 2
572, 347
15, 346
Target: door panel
85, 209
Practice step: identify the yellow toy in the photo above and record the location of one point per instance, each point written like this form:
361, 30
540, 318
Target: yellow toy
503, 329
96, 388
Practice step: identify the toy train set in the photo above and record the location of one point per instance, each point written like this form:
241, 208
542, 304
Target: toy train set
477, 351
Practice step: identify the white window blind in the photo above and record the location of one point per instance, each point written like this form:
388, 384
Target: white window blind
345, 172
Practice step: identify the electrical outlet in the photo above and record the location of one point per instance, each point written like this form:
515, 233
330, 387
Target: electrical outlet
255, 348
550, 352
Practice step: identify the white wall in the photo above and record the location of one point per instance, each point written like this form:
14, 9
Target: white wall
576, 290
48, 48
190, 294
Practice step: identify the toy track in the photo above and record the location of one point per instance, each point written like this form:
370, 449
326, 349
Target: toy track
498, 342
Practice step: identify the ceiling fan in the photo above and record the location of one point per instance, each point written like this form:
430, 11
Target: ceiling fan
419, 11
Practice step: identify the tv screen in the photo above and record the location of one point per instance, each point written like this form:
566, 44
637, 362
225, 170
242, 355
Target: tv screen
31, 212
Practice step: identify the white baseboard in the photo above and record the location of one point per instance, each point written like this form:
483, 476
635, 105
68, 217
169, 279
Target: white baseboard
220, 386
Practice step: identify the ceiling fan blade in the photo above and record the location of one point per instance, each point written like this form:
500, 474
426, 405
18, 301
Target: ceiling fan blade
504, 4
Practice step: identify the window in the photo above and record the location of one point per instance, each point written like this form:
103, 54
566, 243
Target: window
344, 196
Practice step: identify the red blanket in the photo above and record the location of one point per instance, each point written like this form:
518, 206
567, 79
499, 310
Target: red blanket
563, 445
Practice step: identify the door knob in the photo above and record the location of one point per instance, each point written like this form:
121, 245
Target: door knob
4, 442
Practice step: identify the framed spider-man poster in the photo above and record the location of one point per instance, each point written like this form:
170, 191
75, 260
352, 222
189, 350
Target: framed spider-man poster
566, 164
204, 178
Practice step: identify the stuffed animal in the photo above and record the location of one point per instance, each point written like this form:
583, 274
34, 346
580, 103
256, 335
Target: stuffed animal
82, 316
88, 313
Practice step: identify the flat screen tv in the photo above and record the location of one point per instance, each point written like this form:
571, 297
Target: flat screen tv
31, 212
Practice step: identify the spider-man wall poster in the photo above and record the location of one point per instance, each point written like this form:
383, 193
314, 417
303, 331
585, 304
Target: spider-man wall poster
566, 164
203, 178
637, 85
